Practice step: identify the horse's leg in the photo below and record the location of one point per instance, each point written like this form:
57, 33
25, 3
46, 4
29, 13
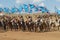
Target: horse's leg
29, 28
23, 28
36, 28
54, 27
58, 27
7, 27
41, 27
4, 28
48, 27
32, 28
19, 27
45, 28
51, 27
16, 29
11, 27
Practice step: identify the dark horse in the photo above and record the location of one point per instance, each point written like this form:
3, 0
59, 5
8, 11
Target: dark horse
21, 24
44, 26
30, 24
10, 24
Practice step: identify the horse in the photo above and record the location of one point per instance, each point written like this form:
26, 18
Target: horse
44, 26
52, 25
1, 27
10, 22
48, 25
15, 24
21, 23
3, 23
38, 23
58, 23
30, 24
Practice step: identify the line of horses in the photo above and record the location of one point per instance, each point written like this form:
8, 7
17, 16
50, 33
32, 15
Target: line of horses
40, 24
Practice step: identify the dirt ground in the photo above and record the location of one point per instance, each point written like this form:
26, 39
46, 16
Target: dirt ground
19, 35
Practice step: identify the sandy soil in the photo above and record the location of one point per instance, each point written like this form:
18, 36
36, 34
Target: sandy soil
18, 35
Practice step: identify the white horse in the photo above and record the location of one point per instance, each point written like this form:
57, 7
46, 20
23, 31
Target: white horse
51, 24
55, 24
58, 25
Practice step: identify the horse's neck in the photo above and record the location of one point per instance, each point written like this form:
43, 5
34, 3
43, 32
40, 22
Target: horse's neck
58, 20
50, 21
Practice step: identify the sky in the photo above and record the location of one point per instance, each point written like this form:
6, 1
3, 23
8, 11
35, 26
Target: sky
49, 4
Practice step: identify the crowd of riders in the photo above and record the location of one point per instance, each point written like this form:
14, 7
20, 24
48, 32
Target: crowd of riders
18, 23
